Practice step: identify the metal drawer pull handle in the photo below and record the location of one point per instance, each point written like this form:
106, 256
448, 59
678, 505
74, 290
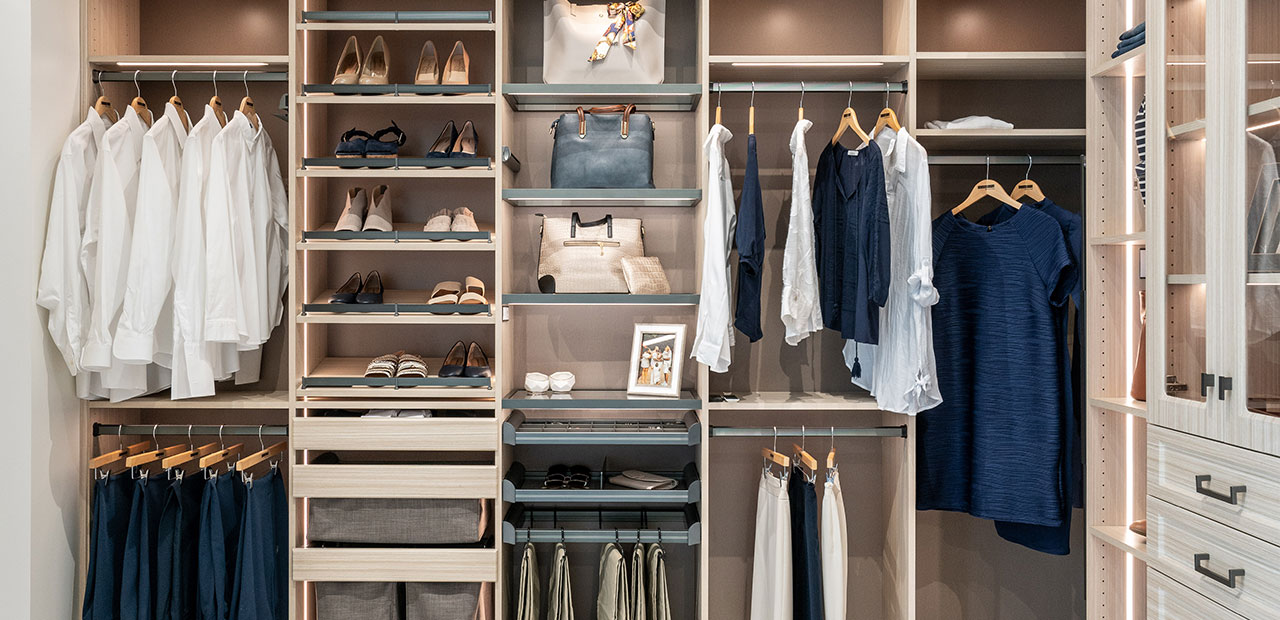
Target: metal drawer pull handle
1233, 497
1232, 574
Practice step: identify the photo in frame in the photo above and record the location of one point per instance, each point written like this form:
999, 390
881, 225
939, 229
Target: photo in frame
657, 360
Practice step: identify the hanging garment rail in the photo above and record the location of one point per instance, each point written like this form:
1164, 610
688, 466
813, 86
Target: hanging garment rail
808, 431
266, 430
227, 76
809, 87
1006, 160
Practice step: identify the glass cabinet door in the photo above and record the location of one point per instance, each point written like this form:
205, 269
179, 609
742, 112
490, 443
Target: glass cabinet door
1184, 218
1261, 242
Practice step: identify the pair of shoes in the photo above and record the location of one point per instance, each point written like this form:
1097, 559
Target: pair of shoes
456, 70
452, 293
398, 364
358, 215
398, 413
456, 220
454, 143
356, 292
537, 383
372, 70
359, 143
466, 361
562, 476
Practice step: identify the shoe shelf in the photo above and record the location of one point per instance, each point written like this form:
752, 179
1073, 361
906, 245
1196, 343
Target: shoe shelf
424, 93
367, 400
393, 98
344, 376
397, 20
518, 430
519, 485
333, 172
587, 525
599, 399
400, 565
433, 434
561, 97
587, 299
639, 197
405, 306
799, 401
220, 400
397, 162
406, 236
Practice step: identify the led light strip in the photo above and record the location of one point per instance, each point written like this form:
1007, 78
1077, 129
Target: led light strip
156, 63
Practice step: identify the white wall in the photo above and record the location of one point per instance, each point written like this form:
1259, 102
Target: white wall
39, 442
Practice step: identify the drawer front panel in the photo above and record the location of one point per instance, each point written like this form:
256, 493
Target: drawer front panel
412, 565
430, 434
402, 481
1178, 464
1230, 567
1170, 600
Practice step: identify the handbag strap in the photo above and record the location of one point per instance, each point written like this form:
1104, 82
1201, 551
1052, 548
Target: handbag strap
626, 111
576, 221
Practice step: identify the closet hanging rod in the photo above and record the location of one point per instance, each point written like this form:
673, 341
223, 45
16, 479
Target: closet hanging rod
227, 76
808, 431
266, 430
809, 87
1006, 160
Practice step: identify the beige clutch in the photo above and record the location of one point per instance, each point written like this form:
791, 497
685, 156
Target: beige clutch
644, 276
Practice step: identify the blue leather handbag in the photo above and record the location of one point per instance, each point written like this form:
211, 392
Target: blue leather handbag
602, 148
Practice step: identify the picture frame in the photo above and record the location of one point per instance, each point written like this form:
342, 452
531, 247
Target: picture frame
665, 341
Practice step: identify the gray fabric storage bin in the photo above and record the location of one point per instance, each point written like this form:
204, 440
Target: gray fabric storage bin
398, 521
357, 601
448, 601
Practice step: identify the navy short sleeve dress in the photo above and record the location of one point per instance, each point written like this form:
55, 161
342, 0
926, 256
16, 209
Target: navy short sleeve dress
994, 447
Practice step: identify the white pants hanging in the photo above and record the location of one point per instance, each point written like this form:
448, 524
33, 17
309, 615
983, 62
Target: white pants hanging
771, 571
835, 550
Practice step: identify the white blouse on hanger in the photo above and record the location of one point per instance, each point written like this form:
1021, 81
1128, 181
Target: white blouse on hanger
801, 310
713, 342
901, 368
63, 290
145, 331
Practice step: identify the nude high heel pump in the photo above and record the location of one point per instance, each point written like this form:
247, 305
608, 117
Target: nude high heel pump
348, 70
376, 63
457, 70
428, 66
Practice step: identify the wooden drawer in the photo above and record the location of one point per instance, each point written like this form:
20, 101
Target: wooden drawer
443, 434
414, 565
1170, 600
1179, 540
398, 481
1177, 464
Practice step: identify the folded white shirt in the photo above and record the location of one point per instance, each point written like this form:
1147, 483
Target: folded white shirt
971, 122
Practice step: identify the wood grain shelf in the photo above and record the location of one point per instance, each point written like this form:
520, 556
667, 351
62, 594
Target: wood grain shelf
221, 400
396, 481
1185, 278
334, 99
230, 63
333, 172
1000, 65
545, 197
810, 67
998, 139
402, 565
1120, 537
1132, 63
798, 401
451, 434
1121, 405
1137, 238
559, 97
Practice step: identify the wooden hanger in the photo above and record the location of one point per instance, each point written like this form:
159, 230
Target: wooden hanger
849, 120
182, 458
805, 458
719, 95
147, 458
887, 117
751, 112
176, 102
831, 456
221, 456
107, 459
246, 105
270, 452
139, 104
800, 112
777, 458
986, 188
1027, 187
103, 104
215, 102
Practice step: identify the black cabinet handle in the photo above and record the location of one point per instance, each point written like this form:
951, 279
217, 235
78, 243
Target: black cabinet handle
1224, 385
1206, 382
1232, 574
1232, 497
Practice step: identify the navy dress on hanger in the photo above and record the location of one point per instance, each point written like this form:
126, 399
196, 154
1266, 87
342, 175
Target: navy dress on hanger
749, 237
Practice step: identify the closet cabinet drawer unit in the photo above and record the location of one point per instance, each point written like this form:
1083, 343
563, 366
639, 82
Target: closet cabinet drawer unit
442, 434
1170, 600
1231, 485
1228, 566
409, 565
398, 481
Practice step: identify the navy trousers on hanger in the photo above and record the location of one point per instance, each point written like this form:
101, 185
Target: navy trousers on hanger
138, 580
219, 541
178, 536
109, 526
261, 575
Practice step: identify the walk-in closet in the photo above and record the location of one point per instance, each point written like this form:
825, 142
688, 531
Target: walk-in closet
651, 310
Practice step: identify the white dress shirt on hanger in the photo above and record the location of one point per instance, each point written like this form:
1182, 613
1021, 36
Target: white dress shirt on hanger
902, 373
232, 299
801, 310
714, 337
63, 290
145, 331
